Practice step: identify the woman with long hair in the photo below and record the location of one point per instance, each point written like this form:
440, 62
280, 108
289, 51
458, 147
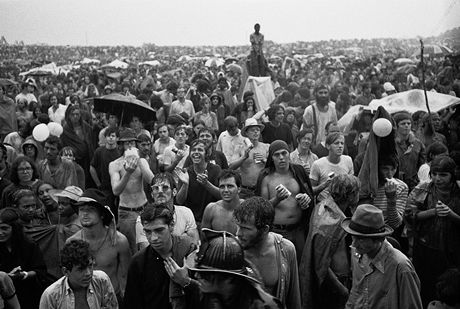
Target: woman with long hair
205, 115
78, 135
23, 175
21, 259
434, 216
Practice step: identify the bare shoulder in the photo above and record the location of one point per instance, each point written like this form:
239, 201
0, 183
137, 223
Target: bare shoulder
122, 241
212, 206
116, 164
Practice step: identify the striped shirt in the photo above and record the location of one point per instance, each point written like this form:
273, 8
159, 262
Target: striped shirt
393, 216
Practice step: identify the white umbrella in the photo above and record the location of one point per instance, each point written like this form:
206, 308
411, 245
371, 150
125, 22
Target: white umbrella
117, 64
414, 100
184, 58
90, 61
214, 62
434, 51
152, 63
403, 61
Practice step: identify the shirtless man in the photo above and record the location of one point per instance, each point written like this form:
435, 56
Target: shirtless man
289, 190
162, 142
273, 255
219, 215
127, 175
254, 158
109, 247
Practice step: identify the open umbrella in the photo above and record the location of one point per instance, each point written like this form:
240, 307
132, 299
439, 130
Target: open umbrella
117, 64
403, 61
124, 107
152, 63
214, 62
434, 51
414, 100
406, 69
235, 68
184, 58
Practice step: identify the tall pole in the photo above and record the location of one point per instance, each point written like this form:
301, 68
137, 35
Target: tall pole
423, 85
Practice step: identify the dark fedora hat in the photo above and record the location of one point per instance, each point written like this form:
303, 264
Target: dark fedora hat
367, 221
223, 254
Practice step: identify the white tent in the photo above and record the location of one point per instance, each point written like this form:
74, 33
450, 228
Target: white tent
414, 100
90, 61
117, 64
263, 91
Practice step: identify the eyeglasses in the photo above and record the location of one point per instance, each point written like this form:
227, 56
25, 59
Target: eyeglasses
24, 169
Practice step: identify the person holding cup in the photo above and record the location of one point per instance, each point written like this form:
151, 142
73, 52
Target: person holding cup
434, 216
303, 154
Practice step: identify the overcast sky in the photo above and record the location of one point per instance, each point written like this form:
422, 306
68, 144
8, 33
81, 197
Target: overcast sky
218, 22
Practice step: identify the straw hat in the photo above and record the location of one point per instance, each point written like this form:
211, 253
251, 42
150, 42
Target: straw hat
251, 122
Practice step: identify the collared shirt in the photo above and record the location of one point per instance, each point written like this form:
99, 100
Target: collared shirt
57, 115
386, 281
233, 147
99, 295
411, 154
295, 157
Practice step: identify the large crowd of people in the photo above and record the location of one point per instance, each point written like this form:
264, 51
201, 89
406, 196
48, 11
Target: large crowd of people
215, 202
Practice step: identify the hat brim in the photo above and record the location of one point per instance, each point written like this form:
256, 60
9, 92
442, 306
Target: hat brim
223, 271
261, 127
346, 226
127, 140
106, 212
65, 193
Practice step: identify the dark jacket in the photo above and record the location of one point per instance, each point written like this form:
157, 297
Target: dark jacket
148, 284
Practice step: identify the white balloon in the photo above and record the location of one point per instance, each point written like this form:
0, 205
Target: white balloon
382, 127
41, 132
55, 129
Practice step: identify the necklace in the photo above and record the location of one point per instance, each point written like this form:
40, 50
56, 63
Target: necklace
99, 246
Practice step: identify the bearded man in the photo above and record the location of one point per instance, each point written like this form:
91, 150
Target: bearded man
318, 114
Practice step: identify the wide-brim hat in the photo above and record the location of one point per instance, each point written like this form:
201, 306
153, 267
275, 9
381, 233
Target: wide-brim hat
223, 254
251, 122
97, 199
127, 135
70, 192
367, 221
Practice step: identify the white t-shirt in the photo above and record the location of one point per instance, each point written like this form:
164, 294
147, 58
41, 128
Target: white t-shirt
321, 168
184, 221
169, 155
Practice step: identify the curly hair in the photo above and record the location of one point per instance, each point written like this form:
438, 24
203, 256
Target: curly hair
76, 253
448, 286
14, 169
258, 208
343, 187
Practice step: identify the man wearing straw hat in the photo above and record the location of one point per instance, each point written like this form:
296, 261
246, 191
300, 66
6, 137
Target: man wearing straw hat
109, 247
383, 277
254, 158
